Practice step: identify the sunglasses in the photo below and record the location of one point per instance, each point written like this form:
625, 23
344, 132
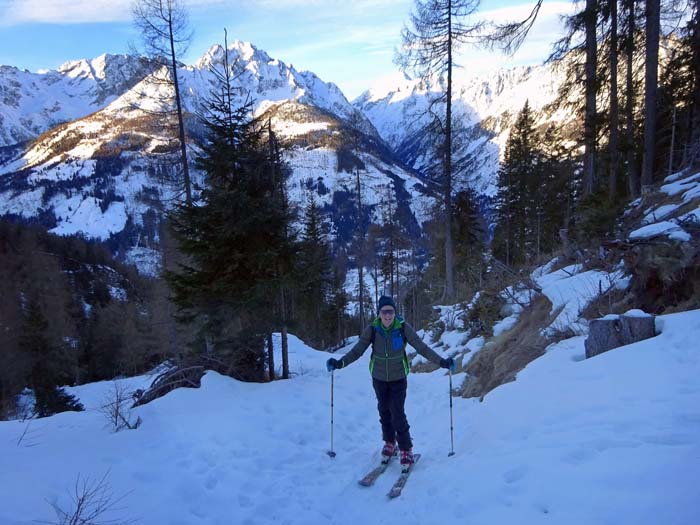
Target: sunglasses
388, 311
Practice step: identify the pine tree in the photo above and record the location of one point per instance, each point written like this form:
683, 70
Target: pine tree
469, 236
519, 185
391, 244
48, 367
337, 305
315, 276
359, 240
679, 93
560, 185
235, 238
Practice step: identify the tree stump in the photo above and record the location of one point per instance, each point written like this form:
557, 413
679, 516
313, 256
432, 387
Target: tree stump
612, 332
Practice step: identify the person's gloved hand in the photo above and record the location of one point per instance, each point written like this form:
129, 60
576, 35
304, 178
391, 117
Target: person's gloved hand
448, 363
333, 364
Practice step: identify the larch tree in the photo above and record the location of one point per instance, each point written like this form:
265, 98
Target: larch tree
165, 35
438, 29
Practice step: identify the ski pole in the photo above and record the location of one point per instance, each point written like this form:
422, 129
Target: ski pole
452, 428
331, 453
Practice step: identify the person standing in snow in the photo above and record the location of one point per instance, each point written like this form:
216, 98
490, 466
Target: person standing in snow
388, 334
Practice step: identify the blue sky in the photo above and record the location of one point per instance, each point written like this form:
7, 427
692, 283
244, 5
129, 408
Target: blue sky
348, 42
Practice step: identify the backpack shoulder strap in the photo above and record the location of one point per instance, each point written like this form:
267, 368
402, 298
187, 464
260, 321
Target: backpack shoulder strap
403, 332
374, 329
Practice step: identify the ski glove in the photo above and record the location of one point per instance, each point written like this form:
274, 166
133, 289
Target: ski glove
448, 363
333, 364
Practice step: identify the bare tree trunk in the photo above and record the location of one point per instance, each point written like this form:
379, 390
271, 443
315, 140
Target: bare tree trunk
361, 276
695, 122
509, 217
164, 31
270, 357
414, 299
439, 30
180, 120
449, 248
274, 155
285, 352
653, 23
375, 277
398, 279
591, 18
632, 174
614, 109
285, 342
360, 252
673, 140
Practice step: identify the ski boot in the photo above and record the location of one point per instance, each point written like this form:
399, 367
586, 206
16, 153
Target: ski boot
388, 451
407, 460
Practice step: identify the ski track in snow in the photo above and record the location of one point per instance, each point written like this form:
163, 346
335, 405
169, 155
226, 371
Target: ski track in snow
613, 439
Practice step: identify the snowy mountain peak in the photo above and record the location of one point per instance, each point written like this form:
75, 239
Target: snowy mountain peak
95, 166
99, 68
244, 52
396, 82
247, 51
484, 105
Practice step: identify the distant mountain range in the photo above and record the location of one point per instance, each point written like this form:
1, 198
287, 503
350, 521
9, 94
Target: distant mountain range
484, 108
83, 150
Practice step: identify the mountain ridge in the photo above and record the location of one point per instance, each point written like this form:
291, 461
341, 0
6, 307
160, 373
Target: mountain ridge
115, 152
105, 174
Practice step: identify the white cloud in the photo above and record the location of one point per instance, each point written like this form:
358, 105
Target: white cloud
14, 12
64, 11
333, 5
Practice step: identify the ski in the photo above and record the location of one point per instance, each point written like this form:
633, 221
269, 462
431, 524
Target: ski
372, 476
395, 491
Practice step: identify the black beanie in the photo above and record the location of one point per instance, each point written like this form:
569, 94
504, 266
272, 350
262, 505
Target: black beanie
385, 300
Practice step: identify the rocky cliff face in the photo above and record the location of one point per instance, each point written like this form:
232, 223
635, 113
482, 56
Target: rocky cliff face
32, 103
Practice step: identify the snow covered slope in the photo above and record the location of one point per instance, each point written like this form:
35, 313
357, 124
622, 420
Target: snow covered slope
82, 152
31, 103
108, 175
613, 439
484, 109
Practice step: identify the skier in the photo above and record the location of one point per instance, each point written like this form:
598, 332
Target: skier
389, 366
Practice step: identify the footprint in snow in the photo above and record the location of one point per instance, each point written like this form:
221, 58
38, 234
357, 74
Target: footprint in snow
579, 456
211, 482
516, 474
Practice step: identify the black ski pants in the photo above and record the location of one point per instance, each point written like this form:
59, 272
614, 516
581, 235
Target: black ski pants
391, 397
